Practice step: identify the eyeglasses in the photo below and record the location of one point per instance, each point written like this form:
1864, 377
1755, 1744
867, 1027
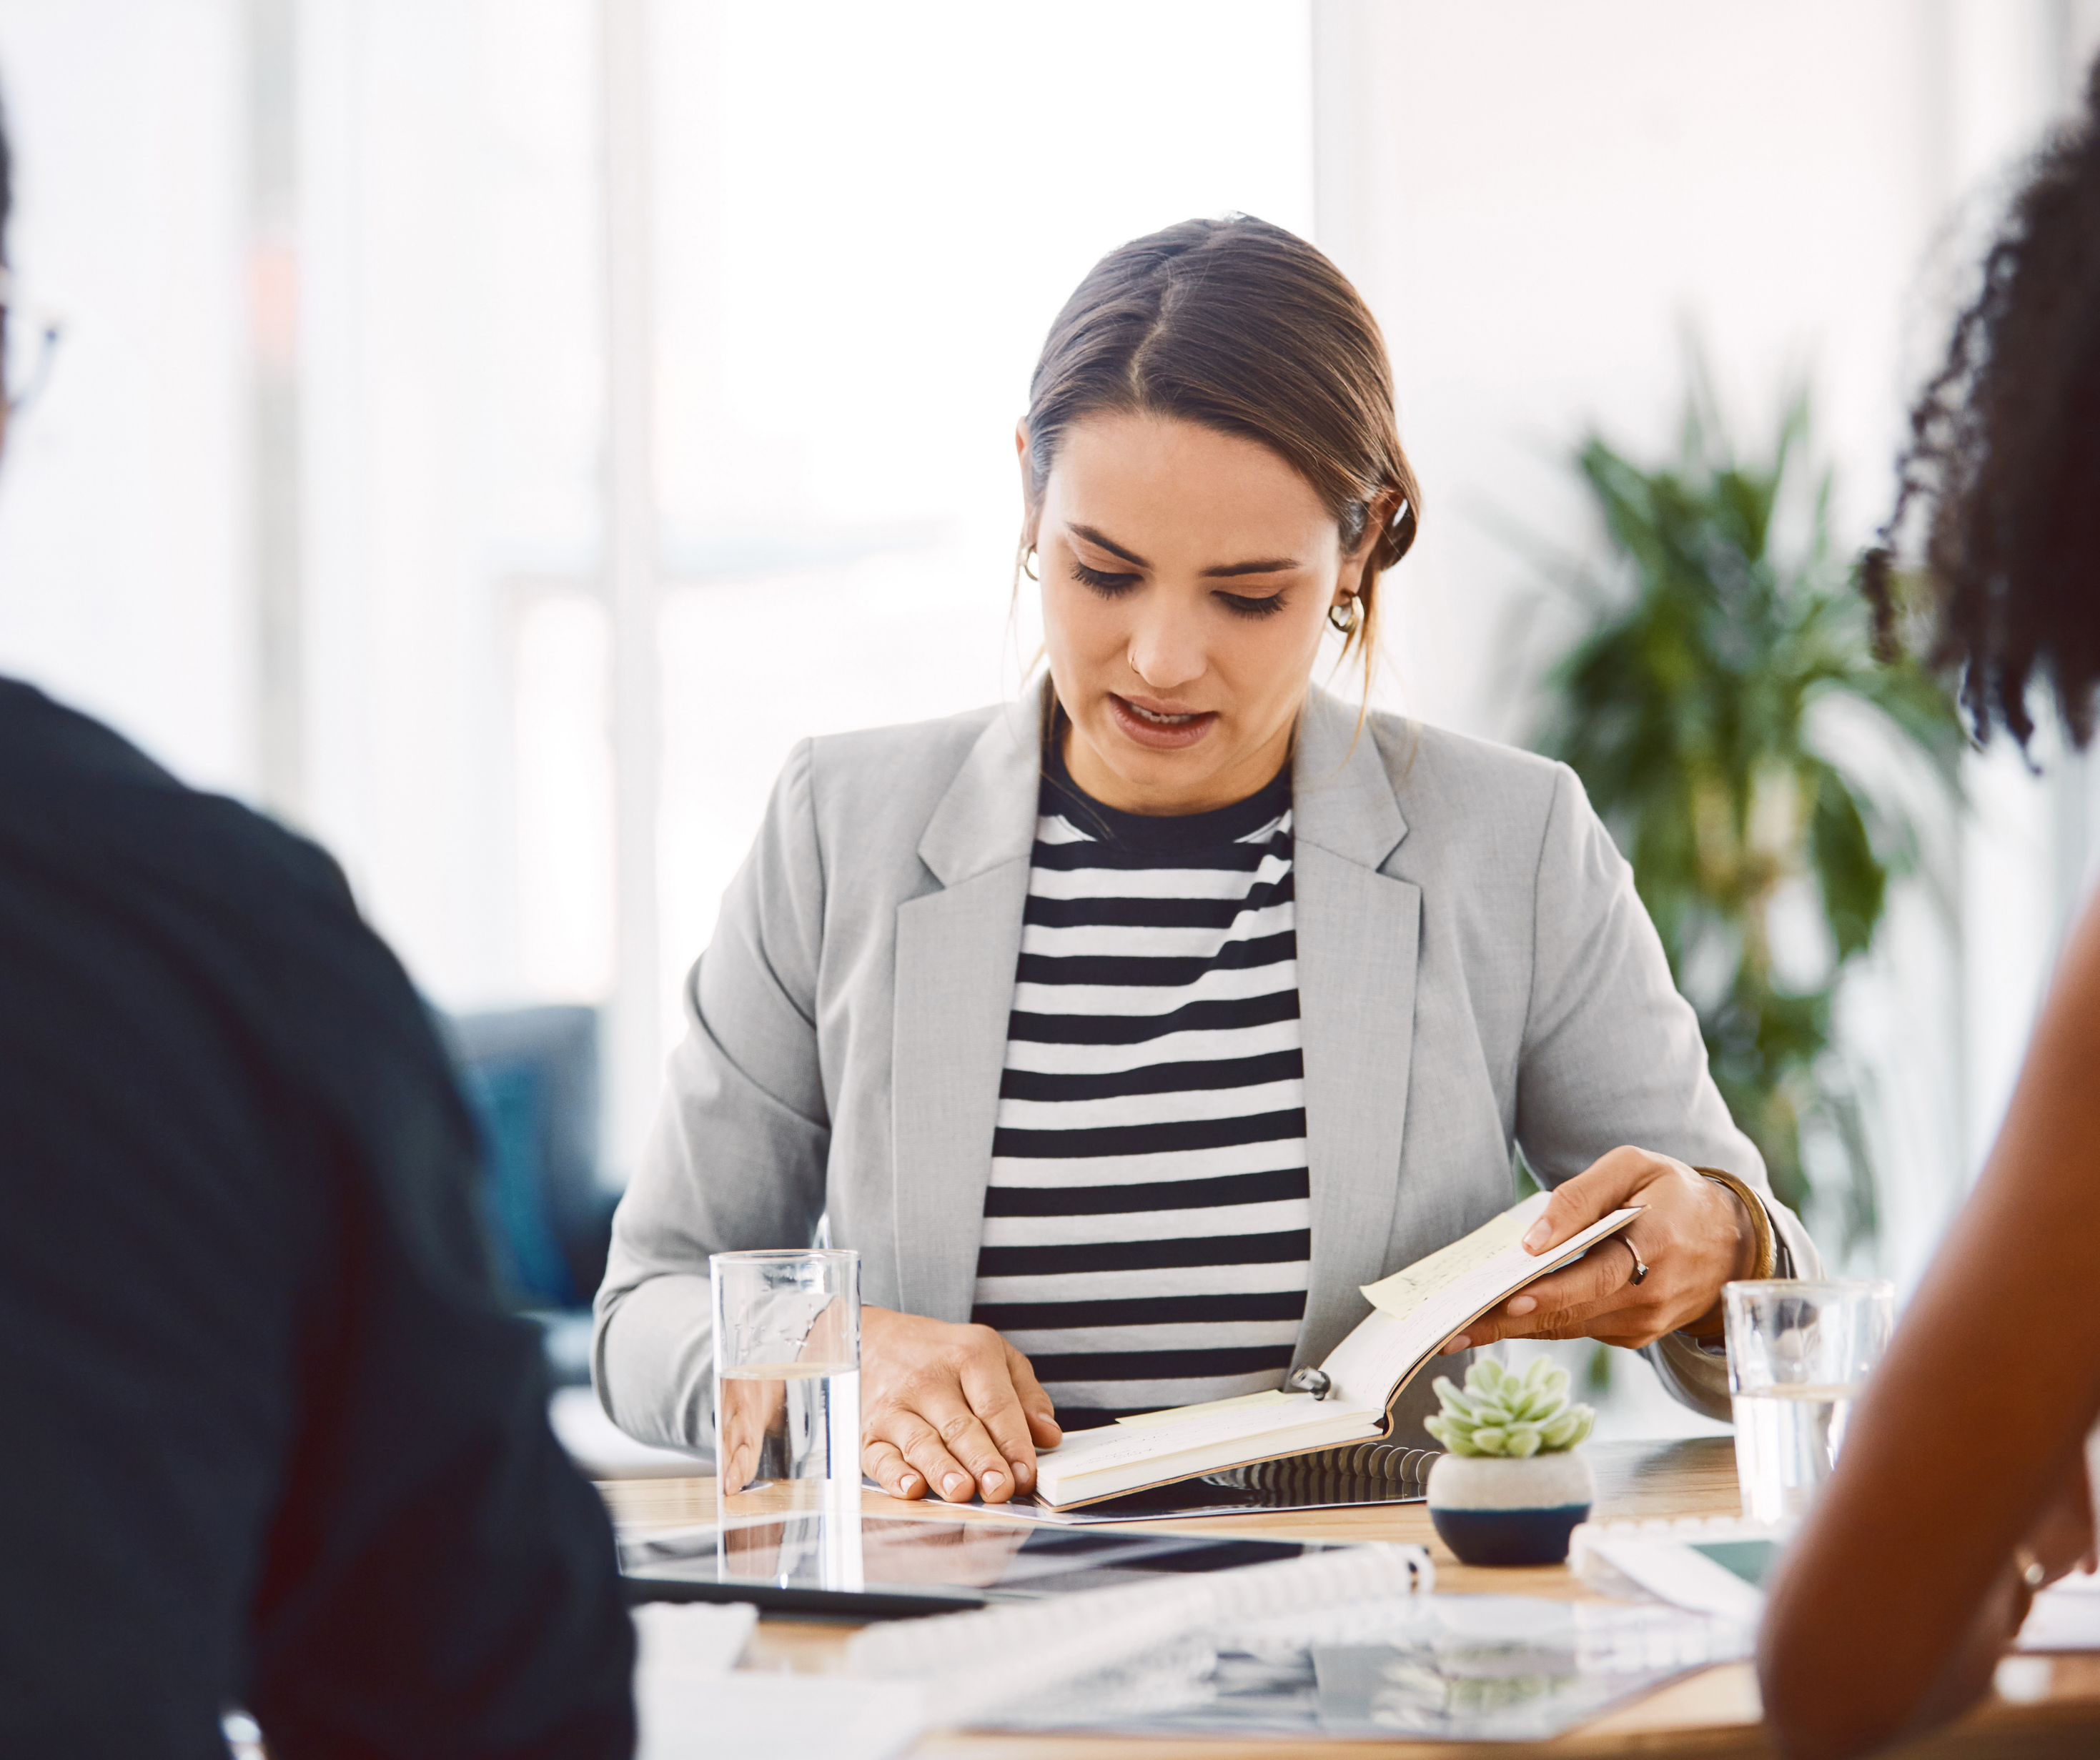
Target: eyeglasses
32, 339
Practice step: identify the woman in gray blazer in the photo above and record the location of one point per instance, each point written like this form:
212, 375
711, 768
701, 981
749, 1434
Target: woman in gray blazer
1126, 1031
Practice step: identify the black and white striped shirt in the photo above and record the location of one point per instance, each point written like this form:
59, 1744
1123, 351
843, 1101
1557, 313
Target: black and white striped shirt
1148, 1228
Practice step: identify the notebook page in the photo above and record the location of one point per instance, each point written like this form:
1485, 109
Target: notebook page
1088, 1451
1175, 1415
1406, 1290
1370, 1364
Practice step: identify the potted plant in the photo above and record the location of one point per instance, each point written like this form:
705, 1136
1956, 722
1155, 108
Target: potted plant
1703, 705
1510, 1488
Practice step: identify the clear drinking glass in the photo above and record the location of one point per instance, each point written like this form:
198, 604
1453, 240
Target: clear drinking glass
1799, 1354
787, 1379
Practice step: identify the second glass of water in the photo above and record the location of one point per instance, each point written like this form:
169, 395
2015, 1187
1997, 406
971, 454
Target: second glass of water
1799, 1354
787, 1377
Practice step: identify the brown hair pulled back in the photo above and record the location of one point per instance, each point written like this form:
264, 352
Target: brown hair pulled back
2004, 450
1245, 328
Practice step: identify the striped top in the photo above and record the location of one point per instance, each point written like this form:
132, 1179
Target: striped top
1148, 1227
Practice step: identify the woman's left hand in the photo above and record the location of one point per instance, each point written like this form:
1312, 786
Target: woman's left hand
1691, 1234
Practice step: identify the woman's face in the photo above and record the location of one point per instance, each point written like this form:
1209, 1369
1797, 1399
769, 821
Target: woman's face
1187, 575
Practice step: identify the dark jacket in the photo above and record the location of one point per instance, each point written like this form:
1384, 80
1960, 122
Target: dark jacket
265, 1438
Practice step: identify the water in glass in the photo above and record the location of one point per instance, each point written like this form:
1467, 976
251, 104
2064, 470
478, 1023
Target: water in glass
1799, 1352
1787, 1439
785, 1424
787, 1379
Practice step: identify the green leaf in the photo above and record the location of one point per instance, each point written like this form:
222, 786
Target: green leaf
1453, 1402
1457, 1440
1569, 1427
1854, 884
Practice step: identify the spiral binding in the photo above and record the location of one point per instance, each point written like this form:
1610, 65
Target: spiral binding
1363, 1472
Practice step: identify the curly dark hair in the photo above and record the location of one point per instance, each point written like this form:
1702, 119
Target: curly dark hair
2005, 450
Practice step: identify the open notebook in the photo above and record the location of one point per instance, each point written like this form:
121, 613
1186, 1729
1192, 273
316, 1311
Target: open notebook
1413, 1313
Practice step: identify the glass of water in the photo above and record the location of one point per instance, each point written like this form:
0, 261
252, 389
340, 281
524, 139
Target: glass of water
787, 1378
1798, 1355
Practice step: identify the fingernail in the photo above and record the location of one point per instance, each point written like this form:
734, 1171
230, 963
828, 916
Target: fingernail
954, 1485
1460, 1343
994, 1483
1538, 1236
1023, 1474
908, 1484
1524, 1304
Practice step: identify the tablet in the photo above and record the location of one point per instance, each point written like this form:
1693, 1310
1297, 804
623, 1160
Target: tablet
890, 1567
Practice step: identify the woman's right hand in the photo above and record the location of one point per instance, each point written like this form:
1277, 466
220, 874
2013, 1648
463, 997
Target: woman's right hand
947, 1408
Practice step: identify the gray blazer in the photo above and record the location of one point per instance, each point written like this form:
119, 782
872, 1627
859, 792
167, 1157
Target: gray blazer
1474, 971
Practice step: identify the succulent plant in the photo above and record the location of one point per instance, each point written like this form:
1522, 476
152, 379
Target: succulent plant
1513, 1415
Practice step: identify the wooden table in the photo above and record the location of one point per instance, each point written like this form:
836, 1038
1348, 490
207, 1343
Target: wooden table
1711, 1715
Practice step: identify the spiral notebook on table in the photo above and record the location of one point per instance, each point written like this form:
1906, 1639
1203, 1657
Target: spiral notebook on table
1413, 1313
1360, 1474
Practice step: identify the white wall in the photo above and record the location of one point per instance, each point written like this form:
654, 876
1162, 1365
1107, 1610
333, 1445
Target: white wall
451, 365
1541, 201
125, 579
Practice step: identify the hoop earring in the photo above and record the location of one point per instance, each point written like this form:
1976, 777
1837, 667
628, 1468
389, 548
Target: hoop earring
1027, 559
1346, 625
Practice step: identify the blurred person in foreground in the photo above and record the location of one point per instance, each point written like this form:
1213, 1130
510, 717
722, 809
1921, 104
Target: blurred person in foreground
1909, 1579
265, 1438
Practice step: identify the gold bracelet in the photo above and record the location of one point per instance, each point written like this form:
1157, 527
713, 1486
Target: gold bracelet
1760, 1221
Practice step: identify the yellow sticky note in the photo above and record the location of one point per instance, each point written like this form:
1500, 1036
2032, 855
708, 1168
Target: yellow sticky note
1404, 1291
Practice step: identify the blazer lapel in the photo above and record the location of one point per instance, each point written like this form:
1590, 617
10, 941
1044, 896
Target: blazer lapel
1358, 935
957, 949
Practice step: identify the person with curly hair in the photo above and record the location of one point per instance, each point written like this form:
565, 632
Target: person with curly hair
1912, 1575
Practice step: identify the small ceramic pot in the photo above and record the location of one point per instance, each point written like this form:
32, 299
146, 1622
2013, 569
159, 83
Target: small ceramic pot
1491, 1510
